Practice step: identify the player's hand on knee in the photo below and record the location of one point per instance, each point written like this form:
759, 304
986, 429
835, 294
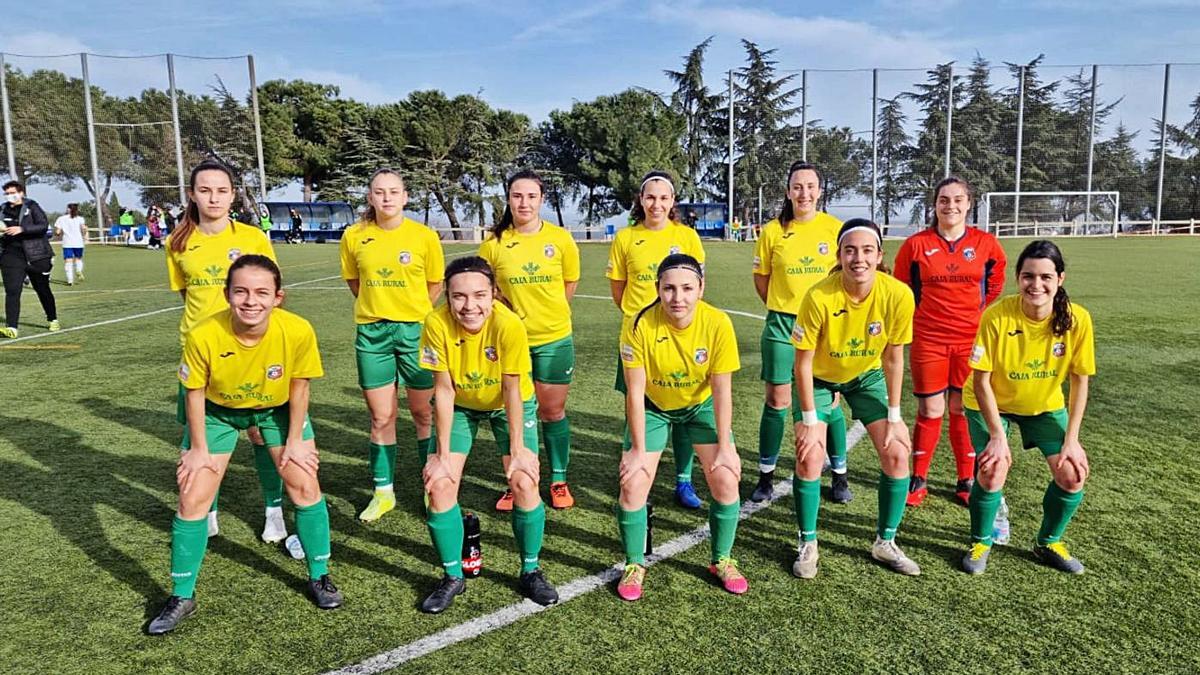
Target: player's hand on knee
523, 460
812, 441
996, 457
633, 462
301, 454
436, 469
190, 464
1073, 462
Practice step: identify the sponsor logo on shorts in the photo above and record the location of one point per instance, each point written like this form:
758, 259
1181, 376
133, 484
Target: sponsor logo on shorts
701, 355
548, 250
570, 370
490, 353
1059, 349
234, 253
274, 372
529, 423
823, 248
874, 328
626, 352
405, 257
428, 356
977, 353
184, 371
969, 253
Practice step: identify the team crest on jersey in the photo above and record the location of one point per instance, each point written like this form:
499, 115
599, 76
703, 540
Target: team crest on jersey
405, 257
490, 353
969, 253
184, 371
428, 356
674, 250
1059, 349
977, 353
274, 372
549, 250
234, 253
823, 248
874, 328
701, 356
797, 332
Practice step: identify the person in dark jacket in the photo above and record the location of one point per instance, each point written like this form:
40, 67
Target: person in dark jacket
24, 251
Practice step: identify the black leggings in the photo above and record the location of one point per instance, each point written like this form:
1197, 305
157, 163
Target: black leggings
39, 278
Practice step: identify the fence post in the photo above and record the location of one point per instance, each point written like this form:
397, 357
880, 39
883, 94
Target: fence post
91, 129
175, 125
8, 139
949, 113
1020, 134
804, 116
729, 216
1162, 142
874, 139
1091, 147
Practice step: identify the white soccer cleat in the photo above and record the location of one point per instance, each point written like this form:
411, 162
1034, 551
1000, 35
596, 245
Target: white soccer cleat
887, 552
274, 529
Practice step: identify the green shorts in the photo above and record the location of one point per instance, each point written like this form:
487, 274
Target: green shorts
554, 362
699, 420
778, 353
866, 394
1045, 431
387, 353
465, 426
222, 425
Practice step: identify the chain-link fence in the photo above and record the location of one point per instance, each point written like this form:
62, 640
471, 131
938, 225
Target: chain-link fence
118, 134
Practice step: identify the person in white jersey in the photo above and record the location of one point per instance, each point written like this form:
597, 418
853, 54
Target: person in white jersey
73, 230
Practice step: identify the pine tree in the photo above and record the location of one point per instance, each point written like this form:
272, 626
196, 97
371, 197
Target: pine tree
763, 105
702, 114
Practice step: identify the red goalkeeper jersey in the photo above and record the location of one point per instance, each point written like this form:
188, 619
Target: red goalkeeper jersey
952, 282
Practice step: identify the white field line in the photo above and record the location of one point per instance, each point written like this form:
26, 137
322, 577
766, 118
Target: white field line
569, 591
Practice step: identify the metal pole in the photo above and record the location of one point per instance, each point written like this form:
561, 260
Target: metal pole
1020, 133
874, 138
8, 140
91, 129
1091, 147
804, 116
1162, 142
949, 113
262, 170
729, 216
175, 124
760, 193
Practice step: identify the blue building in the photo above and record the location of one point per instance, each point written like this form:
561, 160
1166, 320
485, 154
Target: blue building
320, 221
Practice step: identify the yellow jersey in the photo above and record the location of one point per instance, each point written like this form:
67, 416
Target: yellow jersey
531, 270
236, 376
635, 255
795, 258
848, 337
680, 364
476, 361
394, 269
1028, 362
202, 266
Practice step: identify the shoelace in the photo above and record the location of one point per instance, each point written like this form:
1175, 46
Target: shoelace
559, 490
978, 550
727, 568
633, 574
1060, 548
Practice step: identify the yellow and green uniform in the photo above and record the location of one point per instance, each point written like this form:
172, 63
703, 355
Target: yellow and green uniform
793, 259
1028, 365
679, 366
476, 363
847, 338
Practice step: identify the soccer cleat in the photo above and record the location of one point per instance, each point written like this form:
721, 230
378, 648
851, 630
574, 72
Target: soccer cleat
630, 585
274, 530
976, 560
962, 490
805, 566
839, 489
324, 594
213, 528
443, 596
177, 609
887, 552
381, 503
560, 496
534, 586
685, 495
54, 326
9, 332
1057, 556
505, 503
731, 579
918, 489
764, 489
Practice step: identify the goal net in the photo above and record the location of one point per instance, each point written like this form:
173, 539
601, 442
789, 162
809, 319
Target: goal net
1049, 214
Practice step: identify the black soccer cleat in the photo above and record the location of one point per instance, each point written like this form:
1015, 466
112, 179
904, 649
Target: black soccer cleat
764, 489
443, 596
839, 489
324, 594
177, 609
535, 587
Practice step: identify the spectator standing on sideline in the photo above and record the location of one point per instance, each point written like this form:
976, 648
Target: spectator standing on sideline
73, 229
297, 234
154, 228
24, 251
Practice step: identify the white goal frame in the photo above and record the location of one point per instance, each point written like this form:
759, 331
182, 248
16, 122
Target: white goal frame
1073, 228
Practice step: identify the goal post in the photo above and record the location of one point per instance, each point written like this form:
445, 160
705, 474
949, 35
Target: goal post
1047, 214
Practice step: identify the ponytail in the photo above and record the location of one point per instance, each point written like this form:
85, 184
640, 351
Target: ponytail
1061, 320
506, 220
191, 215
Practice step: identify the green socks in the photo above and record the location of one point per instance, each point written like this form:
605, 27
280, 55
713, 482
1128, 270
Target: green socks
722, 522
835, 440
312, 526
685, 456
446, 531
423, 452
268, 477
892, 493
770, 436
1057, 508
189, 540
807, 497
983, 506
557, 435
383, 463
633, 534
528, 527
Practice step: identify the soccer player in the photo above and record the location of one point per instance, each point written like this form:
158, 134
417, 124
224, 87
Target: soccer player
1028, 345
849, 338
393, 266
679, 355
24, 252
633, 259
249, 365
478, 353
537, 269
795, 251
955, 271
73, 230
199, 253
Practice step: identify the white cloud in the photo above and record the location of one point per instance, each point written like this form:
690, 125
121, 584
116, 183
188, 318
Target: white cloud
351, 85
561, 22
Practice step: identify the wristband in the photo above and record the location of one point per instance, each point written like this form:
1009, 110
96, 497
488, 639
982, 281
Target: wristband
894, 414
809, 418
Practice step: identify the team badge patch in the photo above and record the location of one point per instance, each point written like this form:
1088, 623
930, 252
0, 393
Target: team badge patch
823, 248
274, 372
701, 356
797, 332
626, 352
405, 257
234, 253
549, 250
969, 253
184, 371
674, 250
977, 353
428, 356
1059, 349
490, 353
874, 328
757, 262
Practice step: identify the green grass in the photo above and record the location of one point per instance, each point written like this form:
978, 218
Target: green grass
87, 446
